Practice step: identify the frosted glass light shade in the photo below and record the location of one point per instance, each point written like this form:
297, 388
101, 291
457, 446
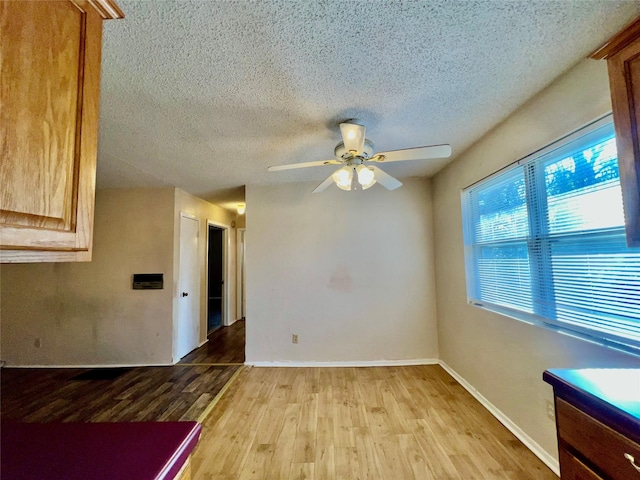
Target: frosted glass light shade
366, 176
241, 208
353, 137
343, 177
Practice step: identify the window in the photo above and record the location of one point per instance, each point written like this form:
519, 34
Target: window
545, 242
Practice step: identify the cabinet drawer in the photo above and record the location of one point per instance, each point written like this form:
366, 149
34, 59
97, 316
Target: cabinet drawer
573, 469
601, 446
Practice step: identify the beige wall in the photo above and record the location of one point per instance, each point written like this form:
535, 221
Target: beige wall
503, 358
205, 212
87, 313
351, 273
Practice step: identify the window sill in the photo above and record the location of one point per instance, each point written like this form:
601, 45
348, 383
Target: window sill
535, 321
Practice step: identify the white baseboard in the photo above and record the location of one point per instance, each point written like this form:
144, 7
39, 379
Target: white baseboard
371, 363
531, 444
231, 322
107, 365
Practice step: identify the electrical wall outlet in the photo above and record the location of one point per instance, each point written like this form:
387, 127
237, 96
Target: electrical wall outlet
550, 410
294, 338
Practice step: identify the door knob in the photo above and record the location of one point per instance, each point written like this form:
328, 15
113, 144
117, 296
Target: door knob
185, 294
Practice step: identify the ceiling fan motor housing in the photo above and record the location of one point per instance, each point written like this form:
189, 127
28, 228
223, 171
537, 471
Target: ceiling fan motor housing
343, 154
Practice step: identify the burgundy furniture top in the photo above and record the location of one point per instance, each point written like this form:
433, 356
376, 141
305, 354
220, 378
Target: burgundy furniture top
96, 451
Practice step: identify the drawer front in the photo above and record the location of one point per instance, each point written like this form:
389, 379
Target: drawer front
573, 469
601, 446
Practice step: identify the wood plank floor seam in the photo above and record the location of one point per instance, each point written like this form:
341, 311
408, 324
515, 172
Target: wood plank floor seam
203, 416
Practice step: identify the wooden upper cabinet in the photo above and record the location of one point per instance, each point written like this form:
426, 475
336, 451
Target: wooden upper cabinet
622, 53
49, 98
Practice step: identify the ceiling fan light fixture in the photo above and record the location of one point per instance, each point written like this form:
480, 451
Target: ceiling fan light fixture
366, 176
343, 177
353, 137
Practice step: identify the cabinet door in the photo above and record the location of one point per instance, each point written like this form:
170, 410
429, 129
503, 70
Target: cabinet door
624, 79
49, 81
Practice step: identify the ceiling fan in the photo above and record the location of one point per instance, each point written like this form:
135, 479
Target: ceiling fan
354, 154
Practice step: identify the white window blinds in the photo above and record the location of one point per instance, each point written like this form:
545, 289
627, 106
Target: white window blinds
544, 241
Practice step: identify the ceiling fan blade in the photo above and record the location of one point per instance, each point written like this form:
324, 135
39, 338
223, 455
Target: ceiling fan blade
353, 136
324, 185
417, 153
291, 166
384, 179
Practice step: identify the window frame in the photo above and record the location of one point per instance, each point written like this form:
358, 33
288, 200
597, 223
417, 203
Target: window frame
531, 165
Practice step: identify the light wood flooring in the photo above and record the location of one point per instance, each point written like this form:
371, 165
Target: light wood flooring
390, 423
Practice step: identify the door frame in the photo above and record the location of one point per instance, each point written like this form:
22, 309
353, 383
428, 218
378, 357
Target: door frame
225, 271
176, 326
241, 243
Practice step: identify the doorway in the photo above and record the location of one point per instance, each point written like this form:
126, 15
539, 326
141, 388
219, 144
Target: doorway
188, 324
216, 268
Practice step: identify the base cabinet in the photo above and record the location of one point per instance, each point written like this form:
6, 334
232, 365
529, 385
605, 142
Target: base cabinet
598, 423
574, 469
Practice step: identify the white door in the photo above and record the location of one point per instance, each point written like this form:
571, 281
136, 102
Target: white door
188, 335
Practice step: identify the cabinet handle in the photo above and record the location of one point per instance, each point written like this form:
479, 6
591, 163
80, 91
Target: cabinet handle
185, 294
632, 461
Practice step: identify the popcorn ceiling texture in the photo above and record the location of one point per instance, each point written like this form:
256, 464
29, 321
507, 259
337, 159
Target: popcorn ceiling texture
204, 95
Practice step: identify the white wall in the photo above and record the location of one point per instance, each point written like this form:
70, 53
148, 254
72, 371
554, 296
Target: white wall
503, 358
205, 212
351, 273
87, 313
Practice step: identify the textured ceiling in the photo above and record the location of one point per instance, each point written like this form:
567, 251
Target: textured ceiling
204, 95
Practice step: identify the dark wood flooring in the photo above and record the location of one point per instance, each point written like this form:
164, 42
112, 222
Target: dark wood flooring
140, 394
180, 392
225, 346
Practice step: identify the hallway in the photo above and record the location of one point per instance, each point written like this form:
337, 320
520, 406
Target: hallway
225, 347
